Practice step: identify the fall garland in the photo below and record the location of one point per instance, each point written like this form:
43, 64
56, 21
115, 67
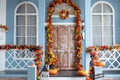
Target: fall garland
101, 48
50, 57
4, 27
37, 51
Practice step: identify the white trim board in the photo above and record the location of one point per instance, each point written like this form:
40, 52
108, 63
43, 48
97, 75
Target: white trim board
61, 24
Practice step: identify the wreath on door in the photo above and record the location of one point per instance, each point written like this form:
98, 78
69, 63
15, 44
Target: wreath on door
50, 57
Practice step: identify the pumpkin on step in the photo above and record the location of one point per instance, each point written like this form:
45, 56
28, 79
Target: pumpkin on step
82, 72
53, 71
88, 78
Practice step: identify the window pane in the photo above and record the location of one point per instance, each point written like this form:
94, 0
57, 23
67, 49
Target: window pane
97, 8
108, 40
96, 20
108, 30
107, 8
97, 30
108, 20
31, 20
31, 31
20, 30
20, 40
31, 40
21, 9
20, 20
97, 41
30, 9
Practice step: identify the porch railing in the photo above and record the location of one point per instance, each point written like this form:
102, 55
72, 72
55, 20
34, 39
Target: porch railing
111, 58
18, 59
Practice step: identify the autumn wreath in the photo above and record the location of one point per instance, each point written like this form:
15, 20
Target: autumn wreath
64, 14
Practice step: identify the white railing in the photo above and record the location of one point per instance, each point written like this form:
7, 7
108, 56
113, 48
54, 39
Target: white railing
111, 58
18, 59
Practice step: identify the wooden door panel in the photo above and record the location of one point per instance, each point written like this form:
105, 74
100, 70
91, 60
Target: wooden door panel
72, 38
72, 60
62, 38
63, 60
55, 39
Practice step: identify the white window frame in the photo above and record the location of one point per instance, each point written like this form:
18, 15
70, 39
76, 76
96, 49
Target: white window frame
102, 14
15, 14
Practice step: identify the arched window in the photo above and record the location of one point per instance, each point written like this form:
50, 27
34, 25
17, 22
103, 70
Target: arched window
63, 6
26, 23
103, 24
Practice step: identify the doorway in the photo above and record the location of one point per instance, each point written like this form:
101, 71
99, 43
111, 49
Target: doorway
64, 46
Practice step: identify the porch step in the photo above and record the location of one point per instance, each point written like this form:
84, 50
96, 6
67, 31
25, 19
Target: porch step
67, 78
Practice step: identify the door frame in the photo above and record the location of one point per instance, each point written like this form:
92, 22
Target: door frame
65, 24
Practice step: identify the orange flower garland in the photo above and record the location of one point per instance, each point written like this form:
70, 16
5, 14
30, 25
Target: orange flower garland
64, 14
78, 36
4, 27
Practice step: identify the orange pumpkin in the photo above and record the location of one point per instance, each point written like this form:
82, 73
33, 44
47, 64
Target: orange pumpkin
82, 72
101, 64
53, 71
88, 78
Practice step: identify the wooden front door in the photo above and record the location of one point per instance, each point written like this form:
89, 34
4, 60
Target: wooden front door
64, 45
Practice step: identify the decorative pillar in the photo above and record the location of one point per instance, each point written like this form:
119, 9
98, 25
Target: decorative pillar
88, 32
41, 26
2, 33
2, 52
3, 12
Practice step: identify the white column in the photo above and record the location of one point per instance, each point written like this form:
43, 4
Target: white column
3, 12
2, 33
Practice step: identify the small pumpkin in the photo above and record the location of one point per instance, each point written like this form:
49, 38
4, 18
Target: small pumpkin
101, 64
53, 71
88, 78
82, 72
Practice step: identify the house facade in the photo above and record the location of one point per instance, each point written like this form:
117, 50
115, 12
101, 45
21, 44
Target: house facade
27, 23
